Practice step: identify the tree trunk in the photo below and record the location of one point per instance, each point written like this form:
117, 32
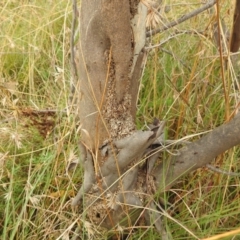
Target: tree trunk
118, 183
109, 61
110, 58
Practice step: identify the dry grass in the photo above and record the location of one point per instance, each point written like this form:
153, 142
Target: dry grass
182, 83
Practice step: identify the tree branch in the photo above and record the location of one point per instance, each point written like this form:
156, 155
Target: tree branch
218, 170
199, 153
181, 19
235, 38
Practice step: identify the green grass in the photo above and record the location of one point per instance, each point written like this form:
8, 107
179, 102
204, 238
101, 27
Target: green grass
182, 84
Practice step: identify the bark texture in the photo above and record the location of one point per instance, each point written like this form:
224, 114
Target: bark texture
120, 176
109, 61
110, 54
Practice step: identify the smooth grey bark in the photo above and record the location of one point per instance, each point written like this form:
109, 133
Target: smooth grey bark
109, 59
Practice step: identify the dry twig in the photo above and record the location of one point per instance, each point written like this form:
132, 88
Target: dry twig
181, 19
218, 170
